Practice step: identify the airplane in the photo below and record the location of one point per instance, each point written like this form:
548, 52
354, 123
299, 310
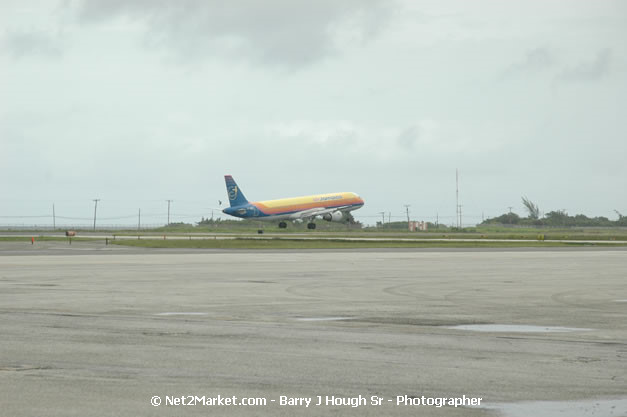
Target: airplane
334, 207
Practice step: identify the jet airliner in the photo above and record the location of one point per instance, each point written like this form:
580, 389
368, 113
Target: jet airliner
331, 207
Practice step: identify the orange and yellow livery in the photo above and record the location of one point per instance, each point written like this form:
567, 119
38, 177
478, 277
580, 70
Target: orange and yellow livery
331, 207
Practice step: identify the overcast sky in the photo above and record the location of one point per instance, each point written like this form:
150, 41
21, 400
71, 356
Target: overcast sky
136, 102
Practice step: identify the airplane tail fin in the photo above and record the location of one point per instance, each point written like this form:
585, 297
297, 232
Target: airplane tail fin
236, 197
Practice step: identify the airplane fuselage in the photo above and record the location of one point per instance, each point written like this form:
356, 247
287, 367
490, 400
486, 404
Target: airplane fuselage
296, 207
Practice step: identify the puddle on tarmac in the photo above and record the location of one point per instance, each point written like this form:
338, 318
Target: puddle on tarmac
324, 318
588, 408
182, 313
515, 328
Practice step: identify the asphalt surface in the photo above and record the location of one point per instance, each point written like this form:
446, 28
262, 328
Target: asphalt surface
103, 333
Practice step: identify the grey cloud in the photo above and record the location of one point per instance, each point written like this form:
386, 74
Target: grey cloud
22, 44
408, 138
589, 70
286, 33
535, 60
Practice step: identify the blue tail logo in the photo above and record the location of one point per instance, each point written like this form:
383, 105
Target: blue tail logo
236, 197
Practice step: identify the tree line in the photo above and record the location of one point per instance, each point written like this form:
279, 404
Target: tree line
554, 218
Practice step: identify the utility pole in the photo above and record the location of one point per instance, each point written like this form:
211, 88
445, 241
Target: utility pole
390, 217
382, 213
54, 219
461, 224
437, 220
96, 200
457, 196
169, 201
139, 220
407, 210
510, 209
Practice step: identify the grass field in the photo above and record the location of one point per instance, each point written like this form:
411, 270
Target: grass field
39, 238
526, 234
242, 243
331, 229
334, 230
325, 239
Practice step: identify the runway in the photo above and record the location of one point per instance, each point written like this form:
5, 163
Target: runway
104, 333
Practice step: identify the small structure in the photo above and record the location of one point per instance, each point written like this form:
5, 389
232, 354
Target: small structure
414, 226
70, 233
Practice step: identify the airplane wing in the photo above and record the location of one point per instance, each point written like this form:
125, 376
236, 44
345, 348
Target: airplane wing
311, 213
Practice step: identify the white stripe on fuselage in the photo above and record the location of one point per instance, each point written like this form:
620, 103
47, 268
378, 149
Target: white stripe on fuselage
297, 215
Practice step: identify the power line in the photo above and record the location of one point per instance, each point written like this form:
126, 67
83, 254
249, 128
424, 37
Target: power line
47, 216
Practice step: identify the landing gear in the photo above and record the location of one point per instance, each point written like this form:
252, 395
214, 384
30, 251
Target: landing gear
311, 226
282, 225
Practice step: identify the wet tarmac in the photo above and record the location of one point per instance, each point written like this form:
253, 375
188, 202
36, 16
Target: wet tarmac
515, 328
104, 333
596, 408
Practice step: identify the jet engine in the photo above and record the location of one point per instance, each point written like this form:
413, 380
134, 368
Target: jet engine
336, 216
